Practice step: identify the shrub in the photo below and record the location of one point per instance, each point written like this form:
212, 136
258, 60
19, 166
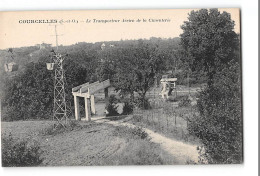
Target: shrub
131, 133
112, 106
219, 124
142, 103
184, 101
9, 113
128, 108
29, 94
139, 132
58, 128
20, 153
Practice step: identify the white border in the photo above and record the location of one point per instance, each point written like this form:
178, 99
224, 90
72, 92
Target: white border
250, 86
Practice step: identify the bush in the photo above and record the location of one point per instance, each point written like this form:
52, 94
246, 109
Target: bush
219, 124
20, 153
131, 133
112, 106
184, 101
29, 94
139, 150
142, 103
57, 128
128, 108
139, 132
9, 113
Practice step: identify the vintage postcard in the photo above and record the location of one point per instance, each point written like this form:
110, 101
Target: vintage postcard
121, 87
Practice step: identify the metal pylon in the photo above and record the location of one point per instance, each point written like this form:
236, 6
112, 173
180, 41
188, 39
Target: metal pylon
60, 109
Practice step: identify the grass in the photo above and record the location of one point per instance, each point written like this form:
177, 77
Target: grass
169, 120
139, 151
86, 144
25, 129
20, 153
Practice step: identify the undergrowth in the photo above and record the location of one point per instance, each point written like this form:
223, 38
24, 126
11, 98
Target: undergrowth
72, 125
20, 153
139, 149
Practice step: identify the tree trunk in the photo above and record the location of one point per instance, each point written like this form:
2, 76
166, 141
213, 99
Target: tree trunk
143, 100
132, 97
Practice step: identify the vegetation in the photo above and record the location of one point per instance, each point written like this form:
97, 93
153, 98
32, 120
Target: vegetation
140, 151
143, 60
128, 107
56, 129
31, 90
142, 103
20, 153
168, 120
184, 101
210, 44
208, 40
219, 124
89, 144
112, 106
209, 53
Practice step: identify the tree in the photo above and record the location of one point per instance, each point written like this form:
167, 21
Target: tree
211, 45
29, 94
219, 123
209, 40
132, 68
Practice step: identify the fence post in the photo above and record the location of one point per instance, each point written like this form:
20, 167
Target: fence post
151, 119
167, 122
162, 119
148, 116
158, 119
174, 118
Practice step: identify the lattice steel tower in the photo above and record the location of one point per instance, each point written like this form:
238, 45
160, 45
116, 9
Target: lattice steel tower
60, 107
61, 110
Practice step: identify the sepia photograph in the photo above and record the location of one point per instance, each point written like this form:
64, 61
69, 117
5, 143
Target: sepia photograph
121, 87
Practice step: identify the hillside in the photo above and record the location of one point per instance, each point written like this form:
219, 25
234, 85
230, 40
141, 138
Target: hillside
30, 89
89, 144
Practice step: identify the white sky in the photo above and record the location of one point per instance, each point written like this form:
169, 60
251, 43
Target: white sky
15, 34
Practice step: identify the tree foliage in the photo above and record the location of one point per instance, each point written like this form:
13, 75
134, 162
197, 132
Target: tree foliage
132, 68
211, 45
17, 153
130, 65
209, 40
219, 124
29, 94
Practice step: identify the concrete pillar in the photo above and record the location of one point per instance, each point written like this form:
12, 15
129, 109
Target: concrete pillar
106, 92
163, 89
92, 104
77, 110
87, 108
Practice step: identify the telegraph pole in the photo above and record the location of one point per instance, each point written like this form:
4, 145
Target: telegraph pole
56, 35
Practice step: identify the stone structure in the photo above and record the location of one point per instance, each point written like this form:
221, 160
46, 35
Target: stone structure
87, 92
168, 85
10, 67
43, 45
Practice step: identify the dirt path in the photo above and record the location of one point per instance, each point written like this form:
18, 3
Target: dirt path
182, 151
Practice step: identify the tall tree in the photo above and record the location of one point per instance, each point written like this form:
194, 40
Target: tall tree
211, 45
132, 67
209, 40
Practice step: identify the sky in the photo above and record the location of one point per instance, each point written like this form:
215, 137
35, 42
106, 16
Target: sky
87, 26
